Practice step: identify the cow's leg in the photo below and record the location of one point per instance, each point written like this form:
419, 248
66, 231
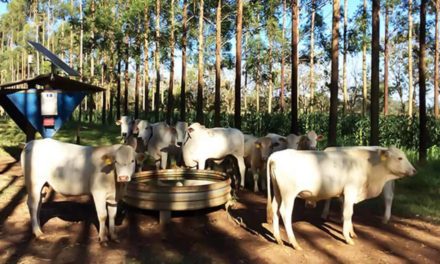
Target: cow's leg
255, 174
163, 160
201, 163
388, 195
347, 229
286, 209
242, 167
276, 220
112, 209
326, 209
34, 205
101, 210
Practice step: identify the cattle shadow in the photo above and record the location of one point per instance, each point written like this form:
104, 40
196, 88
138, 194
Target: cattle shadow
14, 152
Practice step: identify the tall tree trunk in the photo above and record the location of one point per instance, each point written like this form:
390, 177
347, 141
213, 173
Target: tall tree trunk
269, 97
126, 76
312, 56
136, 89
423, 137
183, 77
364, 61
282, 103
81, 38
344, 67
170, 109
199, 107
92, 61
71, 41
386, 60
333, 119
294, 46
375, 49
239, 27
118, 89
218, 63
104, 93
146, 64
410, 60
436, 59
157, 65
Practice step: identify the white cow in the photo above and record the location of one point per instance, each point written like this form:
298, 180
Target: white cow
388, 189
279, 140
203, 143
76, 170
127, 123
257, 151
181, 130
293, 140
313, 175
160, 140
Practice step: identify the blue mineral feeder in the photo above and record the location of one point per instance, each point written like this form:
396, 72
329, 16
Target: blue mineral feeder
42, 104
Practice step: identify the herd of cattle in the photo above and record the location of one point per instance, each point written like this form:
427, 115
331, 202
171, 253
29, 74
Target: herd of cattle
352, 173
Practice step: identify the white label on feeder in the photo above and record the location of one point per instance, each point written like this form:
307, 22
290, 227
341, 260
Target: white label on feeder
49, 105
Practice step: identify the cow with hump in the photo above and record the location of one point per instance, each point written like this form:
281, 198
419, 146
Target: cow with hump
76, 170
313, 175
203, 143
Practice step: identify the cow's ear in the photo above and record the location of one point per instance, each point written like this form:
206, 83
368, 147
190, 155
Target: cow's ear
108, 159
190, 130
384, 154
118, 122
319, 137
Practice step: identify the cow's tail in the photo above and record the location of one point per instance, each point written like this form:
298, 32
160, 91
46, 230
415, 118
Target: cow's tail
269, 173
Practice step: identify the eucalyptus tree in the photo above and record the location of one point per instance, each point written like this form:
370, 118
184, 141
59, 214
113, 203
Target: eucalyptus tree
375, 49
423, 135
334, 75
239, 27
436, 59
294, 60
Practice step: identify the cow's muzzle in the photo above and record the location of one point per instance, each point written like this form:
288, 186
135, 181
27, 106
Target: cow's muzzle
123, 178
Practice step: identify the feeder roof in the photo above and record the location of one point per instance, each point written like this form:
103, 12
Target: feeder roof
50, 81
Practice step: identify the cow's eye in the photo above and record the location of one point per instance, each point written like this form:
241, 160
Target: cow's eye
132, 161
400, 158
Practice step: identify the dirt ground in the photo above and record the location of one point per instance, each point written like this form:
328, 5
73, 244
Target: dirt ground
205, 236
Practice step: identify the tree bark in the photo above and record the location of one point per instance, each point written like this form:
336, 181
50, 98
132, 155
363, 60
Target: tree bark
118, 90
375, 49
294, 58
183, 77
157, 65
410, 60
199, 107
364, 61
71, 43
423, 137
146, 64
136, 90
239, 26
269, 97
170, 109
436, 59
344, 67
282, 103
312, 56
334, 76
218, 64
386, 60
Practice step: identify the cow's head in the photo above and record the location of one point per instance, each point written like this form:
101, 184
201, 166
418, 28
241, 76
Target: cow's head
193, 130
304, 143
265, 146
123, 160
314, 139
126, 123
396, 162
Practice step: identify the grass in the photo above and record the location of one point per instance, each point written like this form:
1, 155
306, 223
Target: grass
417, 196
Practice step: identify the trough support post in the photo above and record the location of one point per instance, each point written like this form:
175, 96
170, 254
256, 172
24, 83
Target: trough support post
164, 217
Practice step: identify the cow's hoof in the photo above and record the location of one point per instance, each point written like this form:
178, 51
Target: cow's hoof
353, 234
350, 241
38, 233
297, 247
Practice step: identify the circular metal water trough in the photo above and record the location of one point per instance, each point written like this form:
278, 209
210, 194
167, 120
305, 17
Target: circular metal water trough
177, 190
